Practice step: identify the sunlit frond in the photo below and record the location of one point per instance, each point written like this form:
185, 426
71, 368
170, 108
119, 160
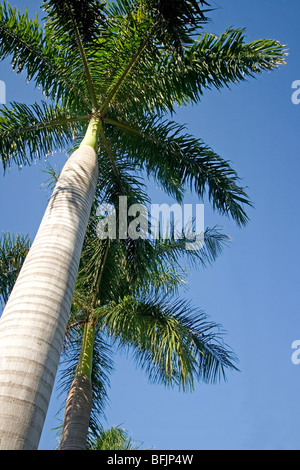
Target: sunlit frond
174, 343
185, 162
31, 132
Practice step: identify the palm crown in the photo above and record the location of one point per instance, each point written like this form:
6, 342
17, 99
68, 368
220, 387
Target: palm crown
127, 295
129, 65
126, 292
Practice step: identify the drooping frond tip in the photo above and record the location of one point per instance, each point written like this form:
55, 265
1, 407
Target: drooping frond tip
174, 343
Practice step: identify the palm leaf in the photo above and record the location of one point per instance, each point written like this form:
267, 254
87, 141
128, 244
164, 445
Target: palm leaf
177, 19
115, 438
29, 132
218, 61
78, 24
30, 47
13, 251
173, 342
184, 162
65, 17
162, 78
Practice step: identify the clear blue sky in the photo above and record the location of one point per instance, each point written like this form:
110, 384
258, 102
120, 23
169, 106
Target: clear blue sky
253, 288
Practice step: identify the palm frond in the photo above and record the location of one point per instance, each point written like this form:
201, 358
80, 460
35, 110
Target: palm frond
114, 438
174, 251
177, 19
121, 52
170, 79
140, 35
53, 177
218, 61
28, 45
30, 132
185, 162
174, 343
65, 16
13, 251
162, 264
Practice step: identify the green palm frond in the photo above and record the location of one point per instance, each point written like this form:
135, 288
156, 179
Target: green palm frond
115, 438
162, 79
218, 61
185, 161
64, 17
127, 182
124, 51
161, 264
173, 342
29, 46
95, 263
29, 132
53, 177
13, 251
178, 19
140, 36
174, 251
77, 24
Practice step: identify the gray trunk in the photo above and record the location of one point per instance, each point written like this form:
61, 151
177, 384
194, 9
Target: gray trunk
77, 415
33, 324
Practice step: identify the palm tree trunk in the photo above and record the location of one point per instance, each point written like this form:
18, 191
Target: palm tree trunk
79, 402
77, 415
33, 324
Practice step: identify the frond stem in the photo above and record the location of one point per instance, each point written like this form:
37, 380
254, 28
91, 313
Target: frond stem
128, 128
54, 122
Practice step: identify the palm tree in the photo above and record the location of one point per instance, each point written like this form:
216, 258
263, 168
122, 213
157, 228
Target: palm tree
130, 322
132, 268
171, 341
110, 72
112, 298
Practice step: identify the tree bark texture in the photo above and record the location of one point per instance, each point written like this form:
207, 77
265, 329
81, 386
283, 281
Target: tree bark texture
33, 324
77, 415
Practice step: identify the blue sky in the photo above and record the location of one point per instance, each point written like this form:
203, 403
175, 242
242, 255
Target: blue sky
252, 289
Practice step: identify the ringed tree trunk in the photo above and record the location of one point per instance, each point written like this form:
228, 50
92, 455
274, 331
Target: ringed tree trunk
79, 402
33, 324
80, 397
